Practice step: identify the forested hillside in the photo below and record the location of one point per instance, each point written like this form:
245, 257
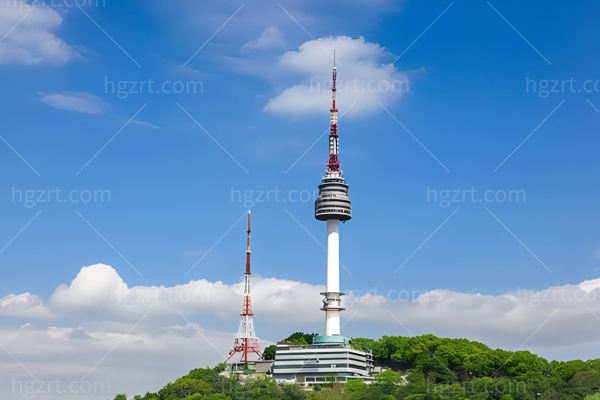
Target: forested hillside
420, 368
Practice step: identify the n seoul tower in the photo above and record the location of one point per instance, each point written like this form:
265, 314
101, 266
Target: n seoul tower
329, 358
333, 206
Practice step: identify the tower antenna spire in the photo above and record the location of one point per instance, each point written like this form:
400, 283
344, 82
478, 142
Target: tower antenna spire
333, 165
246, 341
248, 247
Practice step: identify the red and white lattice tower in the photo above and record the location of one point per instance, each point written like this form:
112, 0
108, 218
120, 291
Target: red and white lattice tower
246, 341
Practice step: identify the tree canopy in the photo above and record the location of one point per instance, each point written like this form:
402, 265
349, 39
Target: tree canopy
419, 368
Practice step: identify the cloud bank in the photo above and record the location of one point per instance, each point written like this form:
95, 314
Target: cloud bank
100, 329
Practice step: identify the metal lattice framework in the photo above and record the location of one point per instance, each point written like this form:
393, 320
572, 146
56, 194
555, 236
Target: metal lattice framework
246, 342
333, 165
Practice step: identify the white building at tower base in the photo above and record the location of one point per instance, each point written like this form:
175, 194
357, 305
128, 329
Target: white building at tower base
330, 359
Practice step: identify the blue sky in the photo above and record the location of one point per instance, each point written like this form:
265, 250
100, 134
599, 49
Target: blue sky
171, 188
182, 168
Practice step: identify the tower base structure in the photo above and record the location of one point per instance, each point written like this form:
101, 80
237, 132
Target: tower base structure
330, 359
248, 369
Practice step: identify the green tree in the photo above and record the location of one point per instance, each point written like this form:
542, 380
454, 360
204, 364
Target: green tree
269, 352
301, 338
292, 392
585, 383
421, 368
388, 376
196, 396
565, 370
363, 344
217, 396
355, 389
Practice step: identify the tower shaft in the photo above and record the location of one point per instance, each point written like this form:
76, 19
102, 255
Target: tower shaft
333, 255
332, 312
333, 206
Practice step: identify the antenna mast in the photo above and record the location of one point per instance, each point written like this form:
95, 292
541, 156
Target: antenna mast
246, 341
333, 165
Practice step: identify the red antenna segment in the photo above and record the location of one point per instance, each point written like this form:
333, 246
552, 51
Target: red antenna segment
333, 165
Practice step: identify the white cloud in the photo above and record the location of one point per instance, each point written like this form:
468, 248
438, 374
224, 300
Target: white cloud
23, 305
98, 290
270, 38
502, 320
551, 321
589, 286
74, 363
363, 78
144, 124
82, 102
505, 319
29, 37
98, 311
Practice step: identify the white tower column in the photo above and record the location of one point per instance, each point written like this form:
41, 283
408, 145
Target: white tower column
332, 316
333, 255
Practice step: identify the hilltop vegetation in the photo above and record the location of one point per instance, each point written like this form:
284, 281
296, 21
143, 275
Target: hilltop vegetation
420, 368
